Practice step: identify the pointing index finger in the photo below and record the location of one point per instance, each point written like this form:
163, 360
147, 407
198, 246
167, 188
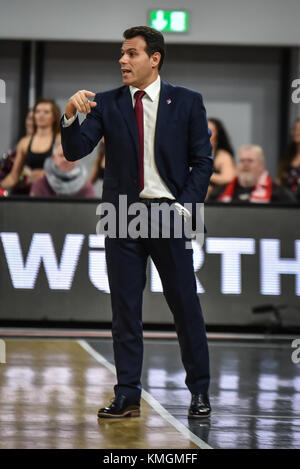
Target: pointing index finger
89, 93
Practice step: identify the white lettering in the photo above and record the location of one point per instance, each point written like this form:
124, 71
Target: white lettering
24, 275
272, 266
296, 92
112, 459
231, 250
97, 264
296, 353
2, 92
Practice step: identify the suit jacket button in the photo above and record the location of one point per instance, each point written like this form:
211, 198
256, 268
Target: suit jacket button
135, 181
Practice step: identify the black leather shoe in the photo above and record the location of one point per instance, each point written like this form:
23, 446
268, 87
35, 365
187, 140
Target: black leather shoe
120, 407
200, 406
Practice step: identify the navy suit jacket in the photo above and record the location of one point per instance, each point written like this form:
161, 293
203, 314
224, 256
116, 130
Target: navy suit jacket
183, 151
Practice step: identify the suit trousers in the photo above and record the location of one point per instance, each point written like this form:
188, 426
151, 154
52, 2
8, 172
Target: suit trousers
126, 260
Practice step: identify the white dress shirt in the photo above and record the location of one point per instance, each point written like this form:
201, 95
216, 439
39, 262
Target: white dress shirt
154, 186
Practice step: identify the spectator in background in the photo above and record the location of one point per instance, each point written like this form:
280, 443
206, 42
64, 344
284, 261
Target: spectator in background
33, 150
29, 122
62, 177
289, 169
224, 166
99, 165
8, 158
253, 183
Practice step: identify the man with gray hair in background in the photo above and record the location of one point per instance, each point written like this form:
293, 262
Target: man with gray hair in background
62, 177
253, 184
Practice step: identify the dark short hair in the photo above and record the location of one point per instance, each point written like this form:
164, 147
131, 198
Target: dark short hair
153, 38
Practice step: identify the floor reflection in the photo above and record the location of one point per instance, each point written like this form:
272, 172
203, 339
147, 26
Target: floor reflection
50, 392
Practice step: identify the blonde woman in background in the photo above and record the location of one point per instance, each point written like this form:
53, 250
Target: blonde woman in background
33, 150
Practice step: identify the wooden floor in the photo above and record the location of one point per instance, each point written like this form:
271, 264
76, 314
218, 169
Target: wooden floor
50, 391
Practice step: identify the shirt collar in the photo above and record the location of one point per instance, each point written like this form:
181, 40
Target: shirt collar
152, 90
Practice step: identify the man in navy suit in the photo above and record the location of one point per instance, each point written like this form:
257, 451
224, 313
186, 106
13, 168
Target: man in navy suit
157, 150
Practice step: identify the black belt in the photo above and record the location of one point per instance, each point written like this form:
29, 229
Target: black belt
148, 202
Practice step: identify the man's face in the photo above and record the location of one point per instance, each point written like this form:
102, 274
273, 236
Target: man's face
249, 168
138, 69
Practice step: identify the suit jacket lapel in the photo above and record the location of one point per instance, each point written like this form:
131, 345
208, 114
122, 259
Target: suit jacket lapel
164, 112
127, 111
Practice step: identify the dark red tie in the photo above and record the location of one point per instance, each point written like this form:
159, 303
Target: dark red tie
139, 114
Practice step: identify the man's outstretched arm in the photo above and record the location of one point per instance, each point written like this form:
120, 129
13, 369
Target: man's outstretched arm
80, 140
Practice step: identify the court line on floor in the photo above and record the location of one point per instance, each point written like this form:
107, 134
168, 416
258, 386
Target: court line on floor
42, 332
149, 399
277, 417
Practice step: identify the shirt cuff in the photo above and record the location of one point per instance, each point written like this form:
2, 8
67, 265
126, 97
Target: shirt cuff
182, 210
68, 122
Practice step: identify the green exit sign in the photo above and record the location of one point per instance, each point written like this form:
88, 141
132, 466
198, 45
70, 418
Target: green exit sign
175, 21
